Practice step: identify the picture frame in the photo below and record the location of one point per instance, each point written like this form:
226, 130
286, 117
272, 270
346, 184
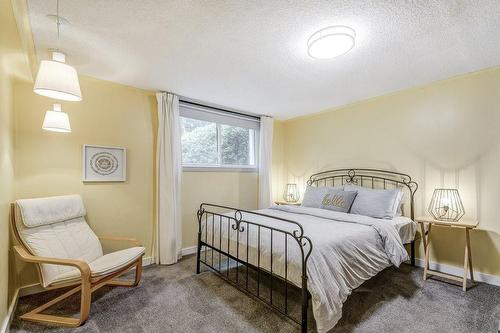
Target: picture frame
104, 163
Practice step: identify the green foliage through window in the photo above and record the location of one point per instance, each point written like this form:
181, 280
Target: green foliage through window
206, 143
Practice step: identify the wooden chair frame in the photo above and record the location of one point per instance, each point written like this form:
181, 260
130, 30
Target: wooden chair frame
87, 284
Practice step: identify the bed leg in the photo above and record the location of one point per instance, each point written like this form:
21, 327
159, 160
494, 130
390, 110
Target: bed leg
198, 252
412, 253
199, 214
305, 304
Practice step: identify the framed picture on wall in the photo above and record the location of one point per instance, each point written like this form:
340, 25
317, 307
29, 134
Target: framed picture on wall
104, 164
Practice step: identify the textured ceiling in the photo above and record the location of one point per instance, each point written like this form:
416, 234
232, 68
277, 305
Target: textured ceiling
252, 56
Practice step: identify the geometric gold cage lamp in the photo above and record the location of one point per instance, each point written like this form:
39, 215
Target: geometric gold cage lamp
446, 205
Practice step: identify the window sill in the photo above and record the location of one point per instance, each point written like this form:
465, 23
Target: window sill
218, 169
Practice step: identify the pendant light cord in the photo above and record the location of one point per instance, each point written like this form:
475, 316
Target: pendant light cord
58, 23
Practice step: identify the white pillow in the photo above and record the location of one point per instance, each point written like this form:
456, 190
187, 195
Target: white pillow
400, 211
378, 203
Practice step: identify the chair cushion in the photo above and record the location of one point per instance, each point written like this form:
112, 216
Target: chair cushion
71, 239
45, 235
104, 265
43, 211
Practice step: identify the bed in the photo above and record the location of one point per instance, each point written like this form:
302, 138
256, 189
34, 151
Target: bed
320, 255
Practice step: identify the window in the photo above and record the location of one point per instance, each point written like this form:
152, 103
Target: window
213, 139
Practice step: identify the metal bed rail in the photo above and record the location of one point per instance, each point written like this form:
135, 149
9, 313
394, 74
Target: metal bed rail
237, 268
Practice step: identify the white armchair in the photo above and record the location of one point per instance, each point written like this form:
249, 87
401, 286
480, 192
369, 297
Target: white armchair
53, 233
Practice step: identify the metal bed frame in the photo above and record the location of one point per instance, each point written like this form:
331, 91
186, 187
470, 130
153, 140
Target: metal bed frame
362, 177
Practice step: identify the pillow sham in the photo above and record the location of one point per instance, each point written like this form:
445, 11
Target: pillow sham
378, 203
400, 210
338, 200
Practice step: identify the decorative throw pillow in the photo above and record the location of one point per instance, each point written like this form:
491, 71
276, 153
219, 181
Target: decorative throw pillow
313, 196
338, 200
382, 204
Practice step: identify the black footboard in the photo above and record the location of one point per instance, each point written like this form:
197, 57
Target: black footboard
241, 252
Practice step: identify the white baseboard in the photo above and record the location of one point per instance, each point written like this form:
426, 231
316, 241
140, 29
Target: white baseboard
10, 312
183, 252
458, 271
189, 250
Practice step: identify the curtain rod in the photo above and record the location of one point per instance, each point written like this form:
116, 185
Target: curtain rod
219, 109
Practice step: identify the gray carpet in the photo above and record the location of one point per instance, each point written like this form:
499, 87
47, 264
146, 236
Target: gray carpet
174, 299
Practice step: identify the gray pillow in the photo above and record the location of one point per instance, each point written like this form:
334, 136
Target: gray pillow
382, 204
314, 195
332, 198
338, 200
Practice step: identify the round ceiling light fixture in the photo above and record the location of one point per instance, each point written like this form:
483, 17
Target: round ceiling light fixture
331, 42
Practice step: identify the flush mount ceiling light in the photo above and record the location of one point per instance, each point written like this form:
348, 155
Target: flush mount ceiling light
55, 78
56, 121
331, 42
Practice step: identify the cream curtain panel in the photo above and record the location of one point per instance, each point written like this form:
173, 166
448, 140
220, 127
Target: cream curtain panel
167, 242
265, 161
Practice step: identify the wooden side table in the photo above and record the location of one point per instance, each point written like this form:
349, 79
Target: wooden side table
280, 202
467, 225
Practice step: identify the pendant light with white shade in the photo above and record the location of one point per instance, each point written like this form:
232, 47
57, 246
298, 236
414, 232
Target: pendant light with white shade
55, 78
56, 121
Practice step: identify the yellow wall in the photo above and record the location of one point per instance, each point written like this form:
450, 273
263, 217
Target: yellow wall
50, 163
237, 189
442, 134
13, 67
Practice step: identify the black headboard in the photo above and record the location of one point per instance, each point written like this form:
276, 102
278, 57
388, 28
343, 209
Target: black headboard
372, 178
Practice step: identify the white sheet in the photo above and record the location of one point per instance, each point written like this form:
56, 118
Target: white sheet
406, 228
348, 249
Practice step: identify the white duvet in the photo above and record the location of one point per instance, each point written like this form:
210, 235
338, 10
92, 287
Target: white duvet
348, 249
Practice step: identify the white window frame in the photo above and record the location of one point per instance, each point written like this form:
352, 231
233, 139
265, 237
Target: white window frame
220, 117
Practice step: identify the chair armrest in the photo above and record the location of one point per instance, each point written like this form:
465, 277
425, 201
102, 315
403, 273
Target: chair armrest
80, 264
133, 241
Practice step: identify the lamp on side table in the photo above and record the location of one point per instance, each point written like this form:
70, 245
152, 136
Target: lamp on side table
447, 209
